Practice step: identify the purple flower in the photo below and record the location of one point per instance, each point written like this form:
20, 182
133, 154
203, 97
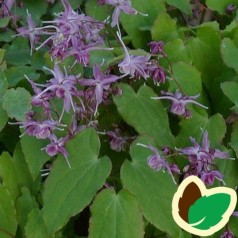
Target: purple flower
156, 72
120, 6
43, 100
201, 158
41, 130
203, 153
179, 102
30, 31
166, 150
230, 8
6, 7
74, 34
174, 169
157, 47
67, 34
235, 214
117, 142
209, 177
63, 86
100, 82
158, 162
57, 146
81, 52
133, 65
227, 234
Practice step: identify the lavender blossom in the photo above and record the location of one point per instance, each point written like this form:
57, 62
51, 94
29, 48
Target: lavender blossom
179, 102
133, 65
235, 214
57, 146
158, 162
156, 72
117, 142
174, 169
227, 234
120, 6
30, 31
157, 47
81, 52
201, 158
41, 130
44, 129
203, 153
166, 150
6, 7
68, 34
63, 86
100, 82
71, 33
231, 8
43, 100
209, 177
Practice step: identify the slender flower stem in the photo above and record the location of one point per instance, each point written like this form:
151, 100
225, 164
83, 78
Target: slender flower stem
172, 155
173, 77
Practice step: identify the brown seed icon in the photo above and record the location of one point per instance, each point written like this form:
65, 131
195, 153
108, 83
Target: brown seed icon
190, 195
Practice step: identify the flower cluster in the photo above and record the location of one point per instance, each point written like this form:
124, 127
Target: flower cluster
69, 34
201, 160
79, 96
120, 6
158, 162
99, 83
70, 90
140, 66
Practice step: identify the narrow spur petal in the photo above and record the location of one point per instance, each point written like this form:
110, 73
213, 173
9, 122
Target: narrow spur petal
196, 103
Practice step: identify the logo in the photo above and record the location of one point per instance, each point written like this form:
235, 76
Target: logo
202, 211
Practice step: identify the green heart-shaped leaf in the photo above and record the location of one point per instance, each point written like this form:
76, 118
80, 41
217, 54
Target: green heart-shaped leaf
141, 112
207, 211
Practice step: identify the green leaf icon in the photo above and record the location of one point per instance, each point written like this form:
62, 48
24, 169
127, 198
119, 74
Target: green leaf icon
207, 211
202, 211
